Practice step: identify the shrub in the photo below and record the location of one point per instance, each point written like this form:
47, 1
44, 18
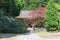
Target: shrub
12, 25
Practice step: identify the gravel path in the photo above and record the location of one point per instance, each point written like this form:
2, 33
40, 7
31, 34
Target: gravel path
29, 37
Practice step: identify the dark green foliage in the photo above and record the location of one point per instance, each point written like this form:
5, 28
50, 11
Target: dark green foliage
9, 7
51, 18
12, 25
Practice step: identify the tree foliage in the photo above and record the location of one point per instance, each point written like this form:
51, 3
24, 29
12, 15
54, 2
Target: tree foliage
57, 5
31, 4
51, 18
13, 7
12, 25
9, 7
8, 24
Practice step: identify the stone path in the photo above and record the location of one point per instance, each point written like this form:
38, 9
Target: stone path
29, 37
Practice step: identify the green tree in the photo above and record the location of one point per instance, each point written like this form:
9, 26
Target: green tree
51, 17
9, 7
31, 4
58, 7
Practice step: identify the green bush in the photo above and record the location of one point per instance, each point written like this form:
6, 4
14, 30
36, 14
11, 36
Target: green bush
51, 18
12, 25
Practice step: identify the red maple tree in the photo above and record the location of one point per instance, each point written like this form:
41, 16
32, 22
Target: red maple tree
37, 16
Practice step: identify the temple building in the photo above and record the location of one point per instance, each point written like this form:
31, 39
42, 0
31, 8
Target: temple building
30, 15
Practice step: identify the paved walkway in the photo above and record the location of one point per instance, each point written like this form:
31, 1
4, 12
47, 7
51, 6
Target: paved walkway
29, 37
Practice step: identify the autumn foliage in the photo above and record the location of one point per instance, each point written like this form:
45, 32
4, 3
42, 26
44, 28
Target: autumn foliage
37, 16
